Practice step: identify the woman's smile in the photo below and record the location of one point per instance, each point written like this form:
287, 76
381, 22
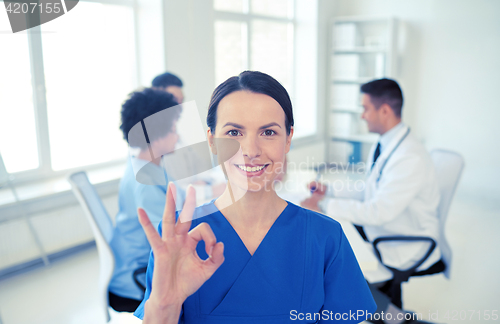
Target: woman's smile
251, 170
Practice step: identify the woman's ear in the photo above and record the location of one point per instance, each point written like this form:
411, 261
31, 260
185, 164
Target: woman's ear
211, 142
289, 140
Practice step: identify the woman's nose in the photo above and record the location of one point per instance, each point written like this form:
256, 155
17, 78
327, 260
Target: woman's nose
250, 147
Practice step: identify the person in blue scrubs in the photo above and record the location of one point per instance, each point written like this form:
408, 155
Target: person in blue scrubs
129, 243
254, 257
210, 183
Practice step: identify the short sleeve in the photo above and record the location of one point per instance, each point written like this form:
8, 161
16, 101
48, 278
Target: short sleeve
152, 200
347, 296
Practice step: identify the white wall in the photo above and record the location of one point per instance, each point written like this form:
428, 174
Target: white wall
58, 229
315, 152
189, 48
449, 71
149, 40
305, 91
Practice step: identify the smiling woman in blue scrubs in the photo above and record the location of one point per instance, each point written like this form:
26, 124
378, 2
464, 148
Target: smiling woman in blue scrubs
260, 259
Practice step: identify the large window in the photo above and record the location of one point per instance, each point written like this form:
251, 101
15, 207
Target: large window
254, 35
278, 37
62, 86
18, 143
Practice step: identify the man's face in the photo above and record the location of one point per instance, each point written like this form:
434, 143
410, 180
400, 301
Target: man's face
176, 92
371, 114
166, 144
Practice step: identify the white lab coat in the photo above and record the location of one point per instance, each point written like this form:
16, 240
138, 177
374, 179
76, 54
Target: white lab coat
402, 201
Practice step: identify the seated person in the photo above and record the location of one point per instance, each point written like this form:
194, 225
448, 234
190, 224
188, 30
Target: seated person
401, 193
209, 184
170, 83
129, 244
275, 262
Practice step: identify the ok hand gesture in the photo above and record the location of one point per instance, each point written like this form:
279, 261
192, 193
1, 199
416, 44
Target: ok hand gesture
178, 270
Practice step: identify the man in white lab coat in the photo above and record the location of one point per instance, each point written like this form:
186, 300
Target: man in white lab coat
401, 193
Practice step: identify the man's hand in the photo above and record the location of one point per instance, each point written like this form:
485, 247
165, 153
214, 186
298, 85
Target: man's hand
317, 188
312, 202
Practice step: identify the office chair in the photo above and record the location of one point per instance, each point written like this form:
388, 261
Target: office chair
102, 228
448, 166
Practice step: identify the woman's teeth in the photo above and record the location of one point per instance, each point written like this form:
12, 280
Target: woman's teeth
250, 169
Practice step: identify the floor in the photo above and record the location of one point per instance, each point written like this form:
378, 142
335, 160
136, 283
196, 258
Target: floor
64, 293
474, 287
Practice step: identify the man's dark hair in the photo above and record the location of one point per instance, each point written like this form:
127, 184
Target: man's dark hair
385, 91
256, 82
166, 79
144, 103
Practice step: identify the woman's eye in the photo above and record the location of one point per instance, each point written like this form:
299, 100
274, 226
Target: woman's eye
269, 132
233, 132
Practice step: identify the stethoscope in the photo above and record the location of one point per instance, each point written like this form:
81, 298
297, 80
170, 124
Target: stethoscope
390, 154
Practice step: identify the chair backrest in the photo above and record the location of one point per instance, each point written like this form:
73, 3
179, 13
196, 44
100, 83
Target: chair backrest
4, 175
449, 166
102, 228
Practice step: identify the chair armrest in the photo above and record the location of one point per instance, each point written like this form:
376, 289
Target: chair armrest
393, 287
410, 270
136, 274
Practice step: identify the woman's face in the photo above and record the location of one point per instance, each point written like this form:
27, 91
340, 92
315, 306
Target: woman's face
257, 122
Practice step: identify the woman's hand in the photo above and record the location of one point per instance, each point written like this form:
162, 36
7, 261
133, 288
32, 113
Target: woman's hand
178, 270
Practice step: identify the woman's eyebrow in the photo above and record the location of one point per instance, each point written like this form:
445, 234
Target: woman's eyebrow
234, 125
270, 125
243, 127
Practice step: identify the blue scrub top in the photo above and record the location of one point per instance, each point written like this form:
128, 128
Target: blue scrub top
304, 270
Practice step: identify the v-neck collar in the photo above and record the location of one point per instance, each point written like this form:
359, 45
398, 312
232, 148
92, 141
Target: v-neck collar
278, 220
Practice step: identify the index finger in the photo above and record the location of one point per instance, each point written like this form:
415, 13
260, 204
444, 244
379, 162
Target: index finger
151, 233
168, 226
186, 215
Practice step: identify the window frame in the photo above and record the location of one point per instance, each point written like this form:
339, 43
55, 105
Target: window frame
246, 17
44, 170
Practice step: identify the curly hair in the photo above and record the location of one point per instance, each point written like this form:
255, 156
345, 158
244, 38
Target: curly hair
144, 103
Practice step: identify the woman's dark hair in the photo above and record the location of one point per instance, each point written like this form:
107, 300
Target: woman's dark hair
256, 82
385, 91
144, 103
166, 79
